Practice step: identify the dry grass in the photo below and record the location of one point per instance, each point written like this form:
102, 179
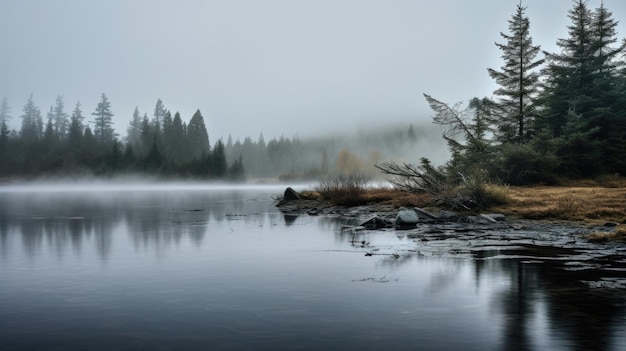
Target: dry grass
383, 196
396, 198
619, 234
587, 201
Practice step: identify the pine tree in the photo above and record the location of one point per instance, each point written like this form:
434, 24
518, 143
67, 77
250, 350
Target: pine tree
5, 111
178, 139
103, 122
133, 132
159, 115
582, 98
518, 80
218, 160
61, 123
31, 121
570, 73
197, 137
609, 116
75, 133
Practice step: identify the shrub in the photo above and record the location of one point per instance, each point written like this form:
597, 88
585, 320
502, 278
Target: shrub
343, 189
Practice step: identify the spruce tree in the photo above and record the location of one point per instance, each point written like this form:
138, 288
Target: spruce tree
569, 73
582, 99
103, 122
178, 139
218, 160
518, 80
609, 116
60, 120
75, 133
197, 137
5, 111
133, 132
32, 126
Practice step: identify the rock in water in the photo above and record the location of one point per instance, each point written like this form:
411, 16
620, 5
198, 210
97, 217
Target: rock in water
291, 194
406, 218
374, 222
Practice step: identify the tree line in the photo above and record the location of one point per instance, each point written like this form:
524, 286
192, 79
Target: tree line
164, 145
561, 115
66, 144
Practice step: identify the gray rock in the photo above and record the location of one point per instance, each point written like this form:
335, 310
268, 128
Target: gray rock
477, 220
374, 222
448, 216
291, 194
497, 217
406, 218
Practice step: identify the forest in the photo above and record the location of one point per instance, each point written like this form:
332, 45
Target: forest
166, 147
554, 116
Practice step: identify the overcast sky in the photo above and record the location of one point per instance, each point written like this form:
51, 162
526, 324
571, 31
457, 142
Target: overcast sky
286, 67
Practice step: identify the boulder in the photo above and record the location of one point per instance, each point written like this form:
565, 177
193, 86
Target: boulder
406, 218
374, 222
291, 194
449, 216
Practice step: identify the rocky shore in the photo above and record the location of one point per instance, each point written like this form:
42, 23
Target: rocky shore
480, 236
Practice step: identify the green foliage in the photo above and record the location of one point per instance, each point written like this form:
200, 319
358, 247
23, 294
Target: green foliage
518, 80
523, 164
103, 121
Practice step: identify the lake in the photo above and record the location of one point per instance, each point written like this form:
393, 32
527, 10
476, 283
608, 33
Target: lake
197, 267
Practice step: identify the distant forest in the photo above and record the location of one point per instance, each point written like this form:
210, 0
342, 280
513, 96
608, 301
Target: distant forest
165, 146
562, 115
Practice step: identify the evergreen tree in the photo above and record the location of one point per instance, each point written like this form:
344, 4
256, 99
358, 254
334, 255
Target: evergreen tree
197, 137
236, 170
61, 123
5, 111
218, 160
31, 121
147, 136
168, 138
133, 132
582, 98
159, 115
75, 133
517, 79
177, 139
570, 73
49, 134
103, 122
609, 116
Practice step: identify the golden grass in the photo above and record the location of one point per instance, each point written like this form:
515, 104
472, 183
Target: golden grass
394, 197
619, 234
383, 196
583, 201
589, 201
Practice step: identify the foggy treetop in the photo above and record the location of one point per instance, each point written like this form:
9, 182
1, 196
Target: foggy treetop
276, 67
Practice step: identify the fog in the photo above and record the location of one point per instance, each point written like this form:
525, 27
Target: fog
292, 68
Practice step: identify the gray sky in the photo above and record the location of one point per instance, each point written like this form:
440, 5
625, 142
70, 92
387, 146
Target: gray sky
285, 67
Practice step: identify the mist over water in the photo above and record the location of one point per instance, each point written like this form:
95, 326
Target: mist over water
197, 266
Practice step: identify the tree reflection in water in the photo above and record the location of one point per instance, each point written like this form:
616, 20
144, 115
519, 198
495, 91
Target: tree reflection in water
537, 282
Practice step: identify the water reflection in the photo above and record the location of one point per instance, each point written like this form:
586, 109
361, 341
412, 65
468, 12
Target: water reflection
368, 284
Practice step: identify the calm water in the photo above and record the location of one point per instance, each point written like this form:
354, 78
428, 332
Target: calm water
214, 268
